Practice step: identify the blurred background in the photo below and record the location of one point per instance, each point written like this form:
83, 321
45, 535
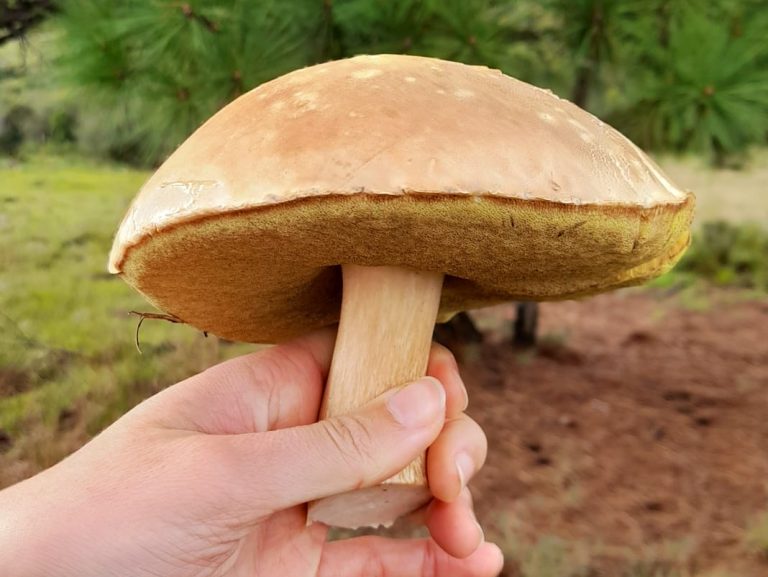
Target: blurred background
628, 432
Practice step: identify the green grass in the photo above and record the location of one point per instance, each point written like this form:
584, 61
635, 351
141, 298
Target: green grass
549, 556
58, 225
66, 339
552, 556
757, 535
722, 254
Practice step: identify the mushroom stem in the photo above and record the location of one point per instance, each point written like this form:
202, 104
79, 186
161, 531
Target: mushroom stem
387, 318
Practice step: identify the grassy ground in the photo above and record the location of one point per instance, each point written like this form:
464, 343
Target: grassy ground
67, 353
68, 364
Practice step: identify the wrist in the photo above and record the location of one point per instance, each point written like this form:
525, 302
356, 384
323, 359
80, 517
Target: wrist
25, 521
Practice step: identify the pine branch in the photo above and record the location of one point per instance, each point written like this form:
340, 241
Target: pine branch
17, 17
190, 13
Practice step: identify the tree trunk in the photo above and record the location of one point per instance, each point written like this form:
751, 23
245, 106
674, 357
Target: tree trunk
526, 324
581, 87
458, 331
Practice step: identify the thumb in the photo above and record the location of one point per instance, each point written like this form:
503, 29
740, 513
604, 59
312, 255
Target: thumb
286, 467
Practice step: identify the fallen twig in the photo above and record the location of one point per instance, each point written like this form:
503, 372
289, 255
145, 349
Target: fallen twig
152, 316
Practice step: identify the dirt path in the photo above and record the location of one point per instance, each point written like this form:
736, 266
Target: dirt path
639, 423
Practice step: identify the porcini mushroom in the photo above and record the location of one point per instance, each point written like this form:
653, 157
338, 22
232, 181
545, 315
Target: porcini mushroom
384, 192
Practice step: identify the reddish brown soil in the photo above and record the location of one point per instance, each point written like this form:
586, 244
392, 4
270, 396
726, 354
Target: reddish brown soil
638, 422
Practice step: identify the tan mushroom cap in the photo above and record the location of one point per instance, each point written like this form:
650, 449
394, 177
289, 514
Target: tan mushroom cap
510, 191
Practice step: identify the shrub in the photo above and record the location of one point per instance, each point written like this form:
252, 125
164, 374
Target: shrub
729, 254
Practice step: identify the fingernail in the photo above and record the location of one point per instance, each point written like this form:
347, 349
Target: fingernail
419, 403
455, 375
480, 531
466, 395
459, 382
499, 557
466, 468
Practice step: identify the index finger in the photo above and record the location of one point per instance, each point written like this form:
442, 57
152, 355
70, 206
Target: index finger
277, 387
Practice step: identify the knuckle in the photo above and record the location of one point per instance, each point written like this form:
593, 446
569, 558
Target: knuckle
352, 438
468, 429
442, 353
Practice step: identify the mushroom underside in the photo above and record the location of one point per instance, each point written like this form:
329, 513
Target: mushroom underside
267, 273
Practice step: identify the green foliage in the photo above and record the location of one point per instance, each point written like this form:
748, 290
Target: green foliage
673, 74
593, 33
705, 88
381, 26
729, 254
33, 110
492, 33
157, 70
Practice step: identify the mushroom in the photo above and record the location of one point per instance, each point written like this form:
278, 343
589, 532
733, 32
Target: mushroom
385, 192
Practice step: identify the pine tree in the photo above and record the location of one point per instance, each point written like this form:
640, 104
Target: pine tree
705, 88
157, 70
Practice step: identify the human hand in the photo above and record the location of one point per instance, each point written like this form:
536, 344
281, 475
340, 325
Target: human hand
210, 477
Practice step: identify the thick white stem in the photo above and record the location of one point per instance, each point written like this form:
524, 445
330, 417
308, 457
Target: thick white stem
385, 333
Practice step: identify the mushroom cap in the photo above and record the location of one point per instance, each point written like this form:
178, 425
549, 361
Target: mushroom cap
512, 192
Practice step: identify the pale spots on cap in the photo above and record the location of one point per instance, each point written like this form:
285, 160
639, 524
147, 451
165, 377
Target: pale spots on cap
583, 131
600, 124
267, 135
547, 117
306, 102
307, 98
353, 114
577, 124
435, 67
440, 91
409, 79
293, 79
463, 93
277, 106
615, 154
366, 73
